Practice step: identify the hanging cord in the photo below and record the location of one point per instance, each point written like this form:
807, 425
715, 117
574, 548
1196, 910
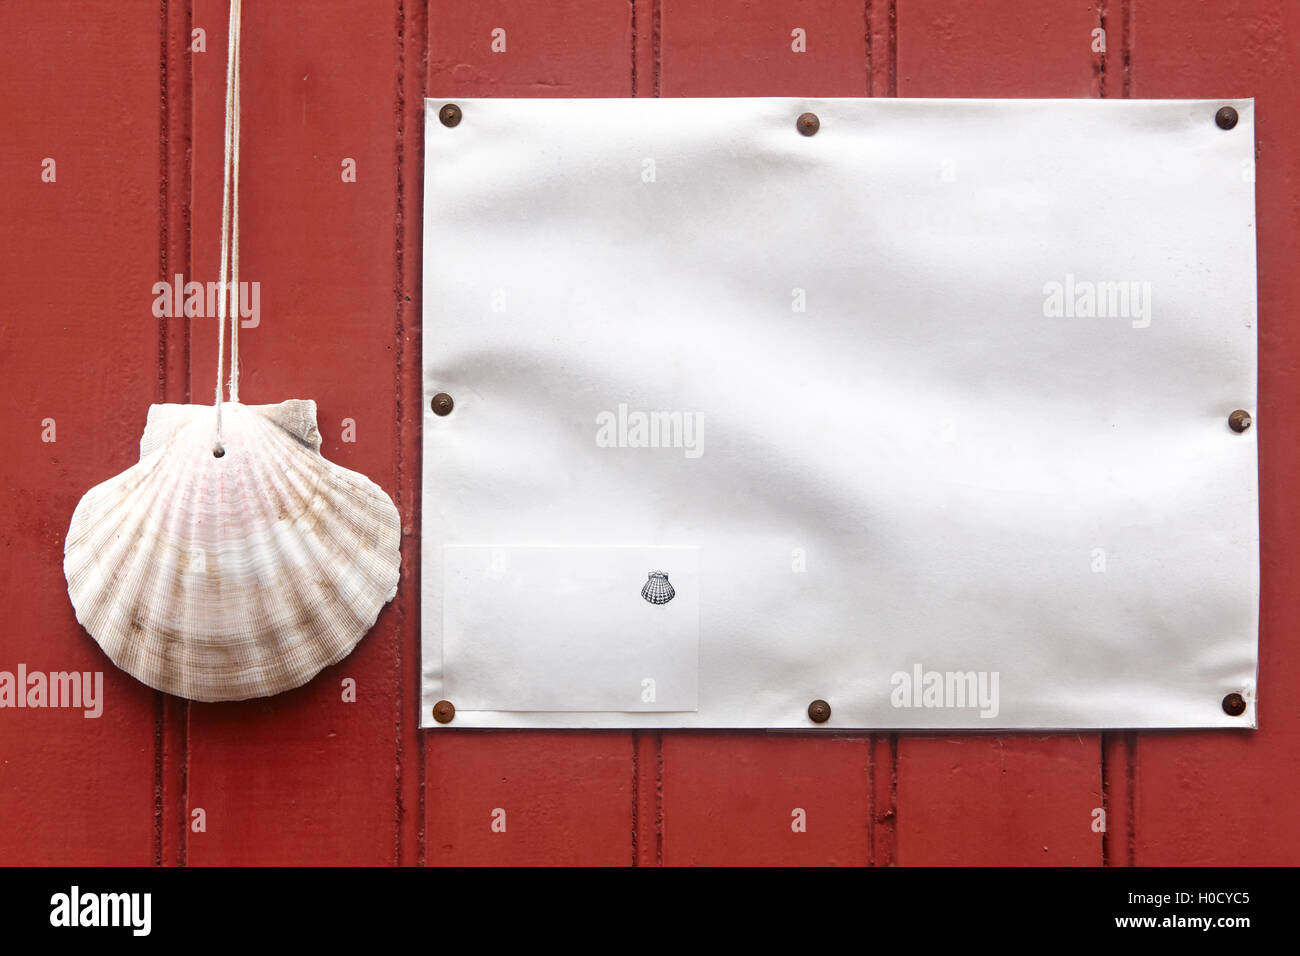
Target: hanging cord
234, 229
229, 285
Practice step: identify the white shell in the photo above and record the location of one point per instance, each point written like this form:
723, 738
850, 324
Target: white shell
233, 577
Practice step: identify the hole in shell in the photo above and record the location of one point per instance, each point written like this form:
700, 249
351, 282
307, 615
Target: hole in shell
218, 452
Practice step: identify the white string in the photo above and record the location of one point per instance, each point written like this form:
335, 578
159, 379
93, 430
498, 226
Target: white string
229, 217
234, 227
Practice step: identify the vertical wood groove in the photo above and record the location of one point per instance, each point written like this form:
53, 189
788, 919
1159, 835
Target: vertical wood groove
175, 183
866, 25
411, 74
414, 471
181, 708
1099, 61
636, 795
656, 32
399, 384
893, 47
158, 780
1130, 774
1106, 801
871, 792
1126, 47
164, 203
164, 211
632, 11
659, 798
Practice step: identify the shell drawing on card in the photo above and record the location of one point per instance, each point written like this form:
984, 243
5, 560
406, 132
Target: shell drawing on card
657, 590
232, 571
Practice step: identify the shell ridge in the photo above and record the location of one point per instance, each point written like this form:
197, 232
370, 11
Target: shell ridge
280, 623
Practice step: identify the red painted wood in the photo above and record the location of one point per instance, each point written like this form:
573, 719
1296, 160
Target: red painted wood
766, 799
307, 778
1227, 798
747, 49
1013, 800
78, 344
1017, 48
563, 799
560, 48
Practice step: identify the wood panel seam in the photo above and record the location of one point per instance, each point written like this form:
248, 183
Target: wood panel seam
164, 157
656, 32
417, 502
893, 47
399, 629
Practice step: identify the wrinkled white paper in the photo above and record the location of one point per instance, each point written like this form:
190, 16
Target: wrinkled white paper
935, 401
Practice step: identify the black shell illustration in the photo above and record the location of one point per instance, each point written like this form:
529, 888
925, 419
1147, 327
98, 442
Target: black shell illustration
657, 590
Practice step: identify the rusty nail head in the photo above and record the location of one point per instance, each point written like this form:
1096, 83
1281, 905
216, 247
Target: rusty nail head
442, 404
1239, 420
819, 712
444, 711
450, 115
809, 124
1226, 117
1234, 705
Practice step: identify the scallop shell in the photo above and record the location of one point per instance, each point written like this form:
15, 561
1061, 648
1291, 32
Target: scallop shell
657, 590
224, 578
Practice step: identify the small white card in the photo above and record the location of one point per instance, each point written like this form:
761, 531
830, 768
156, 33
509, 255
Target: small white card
571, 629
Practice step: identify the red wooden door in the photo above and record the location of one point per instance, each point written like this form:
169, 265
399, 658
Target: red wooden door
309, 777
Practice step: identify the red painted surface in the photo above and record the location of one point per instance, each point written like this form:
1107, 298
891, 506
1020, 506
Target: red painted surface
309, 778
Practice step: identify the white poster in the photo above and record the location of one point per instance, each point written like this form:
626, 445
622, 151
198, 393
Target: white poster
839, 413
